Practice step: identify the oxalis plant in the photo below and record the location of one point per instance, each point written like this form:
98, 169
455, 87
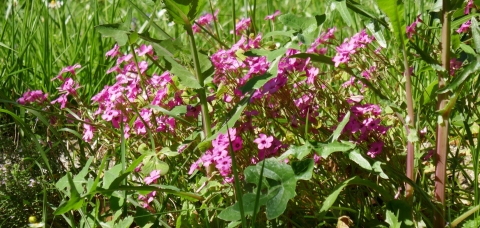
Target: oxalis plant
286, 120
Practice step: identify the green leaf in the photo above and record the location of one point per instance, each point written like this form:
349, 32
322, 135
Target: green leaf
324, 150
232, 213
186, 77
303, 169
256, 82
75, 202
467, 73
252, 175
378, 169
154, 164
402, 211
298, 23
299, 152
475, 34
340, 127
356, 157
116, 31
365, 11
395, 12
175, 112
279, 33
314, 57
79, 179
341, 6
392, 220
279, 194
183, 12
125, 223
111, 175
467, 49
330, 200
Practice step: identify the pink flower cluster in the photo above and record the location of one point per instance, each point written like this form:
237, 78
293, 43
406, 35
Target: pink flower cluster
219, 155
130, 88
351, 46
465, 26
411, 28
364, 126
268, 146
29, 97
204, 20
152, 178
241, 26
68, 87
226, 62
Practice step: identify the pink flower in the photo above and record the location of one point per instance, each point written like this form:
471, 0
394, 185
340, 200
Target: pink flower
264, 142
454, 65
464, 27
138, 168
152, 178
411, 28
375, 149
272, 16
468, 7
113, 52
62, 99
144, 49
242, 25
88, 132
70, 69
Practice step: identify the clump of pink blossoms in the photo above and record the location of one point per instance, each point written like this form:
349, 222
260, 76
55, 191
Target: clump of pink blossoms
364, 126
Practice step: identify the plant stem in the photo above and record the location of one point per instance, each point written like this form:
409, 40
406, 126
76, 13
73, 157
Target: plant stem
207, 129
409, 123
442, 124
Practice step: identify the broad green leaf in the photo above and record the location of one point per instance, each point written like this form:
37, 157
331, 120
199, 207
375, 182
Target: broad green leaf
154, 164
299, 152
330, 200
429, 93
392, 220
341, 6
79, 179
324, 150
475, 34
232, 213
378, 169
377, 33
298, 23
395, 12
355, 156
116, 31
402, 211
252, 175
111, 175
467, 49
125, 223
280, 194
303, 169
365, 11
279, 33
338, 131
467, 73
183, 12
186, 77
75, 201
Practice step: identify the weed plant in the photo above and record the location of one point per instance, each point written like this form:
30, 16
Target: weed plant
239, 113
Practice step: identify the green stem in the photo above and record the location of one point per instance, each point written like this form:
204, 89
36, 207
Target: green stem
442, 125
207, 129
